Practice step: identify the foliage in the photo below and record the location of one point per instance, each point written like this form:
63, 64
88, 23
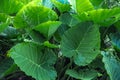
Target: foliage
59, 39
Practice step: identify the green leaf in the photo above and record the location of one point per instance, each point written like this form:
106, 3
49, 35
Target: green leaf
103, 17
31, 15
82, 43
97, 3
10, 32
3, 26
3, 17
10, 6
66, 18
81, 6
60, 6
82, 74
34, 61
36, 37
4, 21
112, 65
48, 28
25, 1
5, 66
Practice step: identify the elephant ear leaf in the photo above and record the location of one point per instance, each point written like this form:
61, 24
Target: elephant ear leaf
103, 17
112, 65
82, 43
34, 61
33, 15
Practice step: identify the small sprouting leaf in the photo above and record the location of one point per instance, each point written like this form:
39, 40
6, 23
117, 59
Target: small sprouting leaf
34, 61
82, 43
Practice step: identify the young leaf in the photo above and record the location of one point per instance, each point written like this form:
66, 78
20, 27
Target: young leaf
32, 15
82, 43
48, 28
112, 65
34, 61
82, 74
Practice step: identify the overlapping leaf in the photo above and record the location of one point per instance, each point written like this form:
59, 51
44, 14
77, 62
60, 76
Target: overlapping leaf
66, 18
32, 15
101, 16
34, 61
82, 43
48, 28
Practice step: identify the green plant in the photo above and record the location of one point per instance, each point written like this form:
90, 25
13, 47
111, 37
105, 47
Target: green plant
60, 39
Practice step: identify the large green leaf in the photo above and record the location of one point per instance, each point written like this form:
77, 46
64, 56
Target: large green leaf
82, 43
34, 61
48, 28
82, 74
61, 7
101, 16
10, 6
31, 15
80, 6
112, 65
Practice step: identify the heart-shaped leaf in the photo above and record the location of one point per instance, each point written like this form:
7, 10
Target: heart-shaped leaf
82, 43
34, 61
